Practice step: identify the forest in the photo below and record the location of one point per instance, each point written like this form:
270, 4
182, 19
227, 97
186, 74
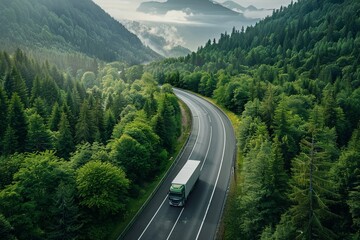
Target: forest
294, 80
76, 150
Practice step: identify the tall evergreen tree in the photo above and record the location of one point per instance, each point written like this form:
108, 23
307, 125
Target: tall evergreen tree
55, 117
9, 142
38, 137
17, 122
14, 83
83, 126
109, 123
3, 112
312, 189
64, 143
65, 223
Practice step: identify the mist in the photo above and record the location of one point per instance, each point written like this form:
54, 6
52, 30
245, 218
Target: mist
194, 31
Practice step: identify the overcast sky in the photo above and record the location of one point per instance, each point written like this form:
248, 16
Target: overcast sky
126, 9
178, 26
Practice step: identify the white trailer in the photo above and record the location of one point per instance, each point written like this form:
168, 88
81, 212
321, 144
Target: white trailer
184, 182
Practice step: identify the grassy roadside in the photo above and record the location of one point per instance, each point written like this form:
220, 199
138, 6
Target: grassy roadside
135, 204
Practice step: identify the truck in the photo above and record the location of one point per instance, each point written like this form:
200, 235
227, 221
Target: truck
183, 183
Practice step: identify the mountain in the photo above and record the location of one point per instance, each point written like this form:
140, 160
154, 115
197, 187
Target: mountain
234, 6
69, 26
163, 39
204, 7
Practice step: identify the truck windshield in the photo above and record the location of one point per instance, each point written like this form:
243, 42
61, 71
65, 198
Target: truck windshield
175, 195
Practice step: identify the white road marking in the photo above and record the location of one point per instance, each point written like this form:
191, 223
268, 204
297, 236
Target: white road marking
207, 152
153, 217
175, 223
217, 178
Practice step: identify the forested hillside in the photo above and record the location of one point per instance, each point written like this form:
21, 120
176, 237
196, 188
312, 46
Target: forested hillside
294, 79
56, 27
76, 150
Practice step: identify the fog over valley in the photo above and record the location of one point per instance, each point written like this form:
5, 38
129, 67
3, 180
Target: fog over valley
181, 23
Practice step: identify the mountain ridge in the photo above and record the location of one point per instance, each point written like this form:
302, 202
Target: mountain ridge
205, 7
70, 26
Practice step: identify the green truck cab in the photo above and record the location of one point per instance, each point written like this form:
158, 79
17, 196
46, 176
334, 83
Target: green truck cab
183, 183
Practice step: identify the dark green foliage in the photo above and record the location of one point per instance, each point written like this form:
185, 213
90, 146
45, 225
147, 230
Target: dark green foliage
64, 143
10, 142
85, 125
66, 224
14, 83
55, 118
167, 121
38, 137
109, 123
3, 113
17, 124
5, 229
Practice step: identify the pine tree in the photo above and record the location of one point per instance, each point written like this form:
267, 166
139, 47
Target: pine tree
64, 143
36, 90
65, 222
109, 123
40, 107
312, 189
3, 112
83, 125
14, 83
9, 142
38, 137
17, 122
55, 118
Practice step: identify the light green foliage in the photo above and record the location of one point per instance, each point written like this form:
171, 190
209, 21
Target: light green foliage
128, 153
102, 187
34, 189
89, 79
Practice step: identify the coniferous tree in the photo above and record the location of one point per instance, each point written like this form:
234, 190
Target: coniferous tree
64, 142
38, 137
55, 118
312, 191
3, 112
10, 141
36, 90
17, 123
66, 222
109, 123
83, 126
40, 107
14, 83
346, 175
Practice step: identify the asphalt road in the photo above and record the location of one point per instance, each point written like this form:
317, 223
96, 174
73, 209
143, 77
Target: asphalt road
212, 141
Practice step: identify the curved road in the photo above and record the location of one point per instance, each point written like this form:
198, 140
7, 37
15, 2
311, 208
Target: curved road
212, 141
